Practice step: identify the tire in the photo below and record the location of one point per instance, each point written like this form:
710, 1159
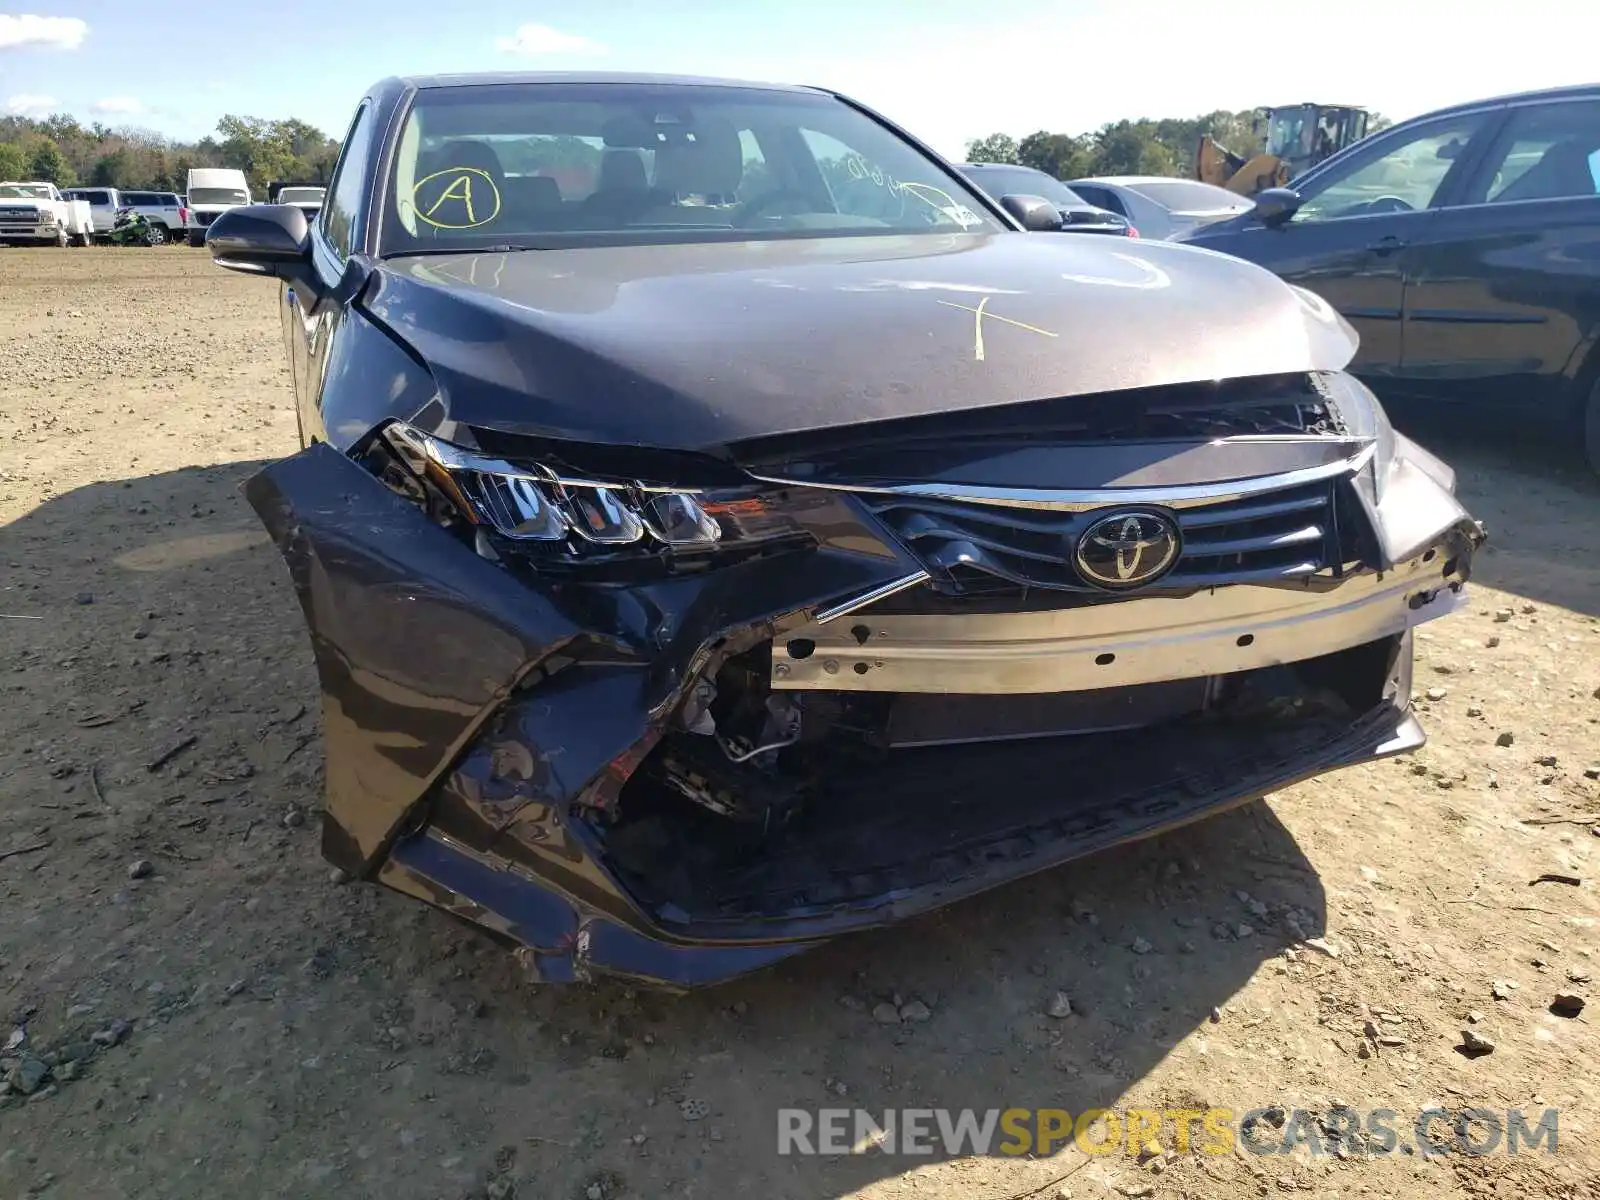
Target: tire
62, 241
197, 238
156, 236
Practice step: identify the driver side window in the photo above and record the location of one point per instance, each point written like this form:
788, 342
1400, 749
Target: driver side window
1406, 176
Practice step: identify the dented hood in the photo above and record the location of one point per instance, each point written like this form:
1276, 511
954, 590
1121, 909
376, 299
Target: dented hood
698, 346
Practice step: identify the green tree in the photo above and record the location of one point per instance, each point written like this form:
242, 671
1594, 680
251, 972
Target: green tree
111, 170
267, 150
1057, 154
13, 163
1127, 148
50, 165
996, 148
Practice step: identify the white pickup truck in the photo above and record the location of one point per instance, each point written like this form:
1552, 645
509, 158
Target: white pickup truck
38, 214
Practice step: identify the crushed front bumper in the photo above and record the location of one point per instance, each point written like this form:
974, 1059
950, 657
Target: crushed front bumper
480, 730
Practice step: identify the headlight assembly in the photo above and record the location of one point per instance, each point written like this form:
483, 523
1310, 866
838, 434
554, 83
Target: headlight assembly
566, 518
1363, 417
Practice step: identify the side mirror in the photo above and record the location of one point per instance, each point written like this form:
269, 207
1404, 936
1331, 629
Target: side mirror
1033, 213
261, 239
1276, 205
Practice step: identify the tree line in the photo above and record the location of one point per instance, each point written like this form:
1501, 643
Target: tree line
59, 149
1143, 147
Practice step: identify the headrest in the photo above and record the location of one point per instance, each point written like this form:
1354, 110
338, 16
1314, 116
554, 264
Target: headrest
459, 186
541, 192
711, 165
473, 155
1562, 170
621, 171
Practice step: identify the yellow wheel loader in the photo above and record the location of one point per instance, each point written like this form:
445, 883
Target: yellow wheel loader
1294, 138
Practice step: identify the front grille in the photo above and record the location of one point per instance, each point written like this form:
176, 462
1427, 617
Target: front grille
22, 216
970, 547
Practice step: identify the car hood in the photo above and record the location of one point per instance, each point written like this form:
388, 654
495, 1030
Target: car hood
696, 347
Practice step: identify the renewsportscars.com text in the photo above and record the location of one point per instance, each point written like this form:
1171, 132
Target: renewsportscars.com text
1136, 1131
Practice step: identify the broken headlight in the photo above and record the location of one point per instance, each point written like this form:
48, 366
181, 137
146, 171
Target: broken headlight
577, 519
1363, 417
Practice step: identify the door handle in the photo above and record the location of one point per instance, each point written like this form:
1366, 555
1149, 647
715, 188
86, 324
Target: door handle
1386, 245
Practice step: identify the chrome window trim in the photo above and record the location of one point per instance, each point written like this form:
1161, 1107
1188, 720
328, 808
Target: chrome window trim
1082, 500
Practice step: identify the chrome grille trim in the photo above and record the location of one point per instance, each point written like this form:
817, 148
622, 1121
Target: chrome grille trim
1081, 500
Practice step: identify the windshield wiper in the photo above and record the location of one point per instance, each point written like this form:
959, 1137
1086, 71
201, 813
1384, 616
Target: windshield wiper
426, 251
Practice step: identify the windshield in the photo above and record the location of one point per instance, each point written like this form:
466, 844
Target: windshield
546, 164
1179, 195
1290, 133
218, 196
1021, 181
304, 195
24, 191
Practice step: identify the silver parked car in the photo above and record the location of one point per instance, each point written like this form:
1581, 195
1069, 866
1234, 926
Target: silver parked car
1159, 206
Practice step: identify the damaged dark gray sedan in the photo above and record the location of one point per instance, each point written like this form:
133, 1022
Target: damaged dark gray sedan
721, 528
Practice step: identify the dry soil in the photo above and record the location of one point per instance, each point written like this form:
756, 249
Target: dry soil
234, 1022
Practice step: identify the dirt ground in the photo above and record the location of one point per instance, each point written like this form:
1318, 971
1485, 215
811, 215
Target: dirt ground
235, 1022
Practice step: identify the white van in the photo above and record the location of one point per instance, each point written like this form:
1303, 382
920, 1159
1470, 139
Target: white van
212, 192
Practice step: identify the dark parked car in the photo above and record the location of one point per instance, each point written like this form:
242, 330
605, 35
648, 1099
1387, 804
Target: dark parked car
1077, 214
721, 528
1464, 246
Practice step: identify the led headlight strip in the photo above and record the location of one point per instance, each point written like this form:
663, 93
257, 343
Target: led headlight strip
535, 504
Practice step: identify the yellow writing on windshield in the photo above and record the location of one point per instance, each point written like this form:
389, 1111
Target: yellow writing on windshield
465, 192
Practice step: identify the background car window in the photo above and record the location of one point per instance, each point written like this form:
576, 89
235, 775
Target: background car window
344, 192
1025, 181
1405, 176
1101, 198
1546, 153
1185, 195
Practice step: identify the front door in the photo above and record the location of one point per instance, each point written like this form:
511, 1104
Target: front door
1348, 242
1504, 288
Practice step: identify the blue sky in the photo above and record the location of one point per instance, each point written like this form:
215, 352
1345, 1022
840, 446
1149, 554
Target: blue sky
947, 69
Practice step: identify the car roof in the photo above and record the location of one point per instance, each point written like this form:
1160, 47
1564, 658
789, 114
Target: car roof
1570, 92
1136, 180
482, 78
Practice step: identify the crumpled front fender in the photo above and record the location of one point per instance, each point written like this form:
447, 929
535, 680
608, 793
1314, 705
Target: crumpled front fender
418, 642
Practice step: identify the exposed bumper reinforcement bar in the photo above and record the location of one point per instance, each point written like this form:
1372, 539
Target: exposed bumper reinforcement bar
1116, 644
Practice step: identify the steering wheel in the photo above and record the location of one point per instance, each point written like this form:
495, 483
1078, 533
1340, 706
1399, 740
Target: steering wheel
1385, 204
756, 205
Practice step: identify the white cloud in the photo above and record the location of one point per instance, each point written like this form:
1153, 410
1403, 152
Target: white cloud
63, 33
119, 105
28, 104
542, 39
